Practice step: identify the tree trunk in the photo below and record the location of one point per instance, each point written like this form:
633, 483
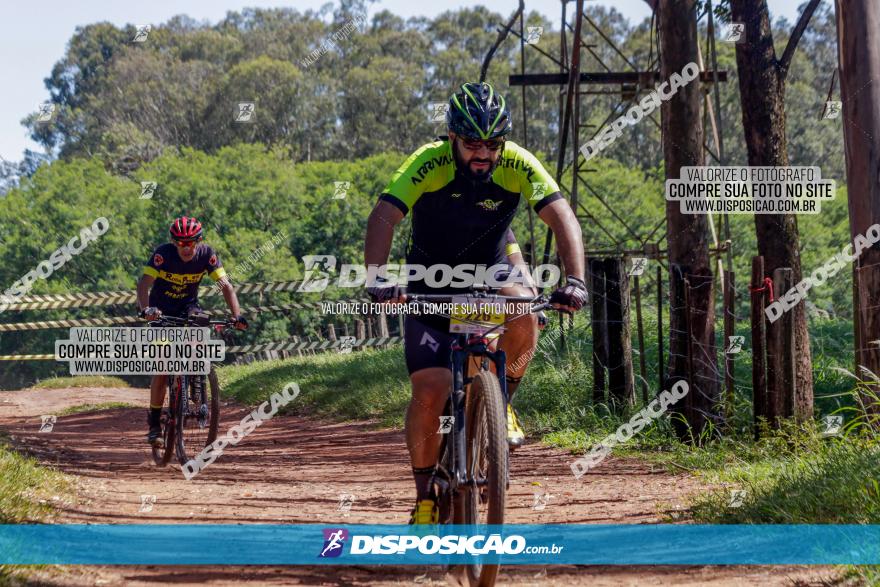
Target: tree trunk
762, 93
858, 49
691, 342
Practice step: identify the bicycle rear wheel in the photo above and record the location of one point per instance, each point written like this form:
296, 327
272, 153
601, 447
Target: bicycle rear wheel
162, 456
487, 463
198, 415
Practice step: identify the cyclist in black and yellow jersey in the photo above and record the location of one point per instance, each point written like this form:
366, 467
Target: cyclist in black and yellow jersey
170, 286
463, 191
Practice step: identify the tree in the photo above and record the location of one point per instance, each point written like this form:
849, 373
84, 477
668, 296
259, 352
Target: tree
125, 102
762, 92
73, 80
858, 29
401, 124
691, 324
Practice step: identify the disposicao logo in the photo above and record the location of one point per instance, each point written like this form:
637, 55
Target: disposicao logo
334, 540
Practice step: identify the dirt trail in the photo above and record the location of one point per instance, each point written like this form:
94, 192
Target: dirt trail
293, 470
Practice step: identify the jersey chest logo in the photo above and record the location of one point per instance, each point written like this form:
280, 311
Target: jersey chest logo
490, 205
181, 278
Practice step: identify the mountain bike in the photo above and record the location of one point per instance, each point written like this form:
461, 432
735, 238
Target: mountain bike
472, 474
191, 414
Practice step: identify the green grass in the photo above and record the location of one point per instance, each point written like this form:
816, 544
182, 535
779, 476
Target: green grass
80, 381
838, 484
27, 488
792, 476
28, 491
370, 384
554, 400
94, 408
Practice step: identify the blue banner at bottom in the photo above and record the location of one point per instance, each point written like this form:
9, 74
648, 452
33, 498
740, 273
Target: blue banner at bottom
308, 544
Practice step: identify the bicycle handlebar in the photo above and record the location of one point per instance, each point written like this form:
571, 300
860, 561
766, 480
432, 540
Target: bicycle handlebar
177, 321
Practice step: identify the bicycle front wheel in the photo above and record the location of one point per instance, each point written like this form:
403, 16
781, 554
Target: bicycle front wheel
486, 441
198, 415
162, 456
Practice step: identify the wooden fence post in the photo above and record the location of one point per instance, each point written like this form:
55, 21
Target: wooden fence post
789, 353
868, 355
643, 370
661, 362
679, 347
596, 283
383, 326
612, 346
620, 369
857, 334
707, 377
780, 343
360, 330
759, 364
729, 331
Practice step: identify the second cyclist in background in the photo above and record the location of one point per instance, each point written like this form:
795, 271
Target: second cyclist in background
170, 286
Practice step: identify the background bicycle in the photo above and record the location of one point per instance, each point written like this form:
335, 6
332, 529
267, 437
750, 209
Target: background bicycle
191, 413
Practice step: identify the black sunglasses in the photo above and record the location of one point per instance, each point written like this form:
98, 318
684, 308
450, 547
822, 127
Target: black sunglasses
476, 144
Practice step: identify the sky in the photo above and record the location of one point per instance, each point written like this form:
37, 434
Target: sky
34, 35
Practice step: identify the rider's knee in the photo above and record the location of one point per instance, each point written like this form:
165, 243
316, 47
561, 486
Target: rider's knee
431, 389
431, 385
524, 328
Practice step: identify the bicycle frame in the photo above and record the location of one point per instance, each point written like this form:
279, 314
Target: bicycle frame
180, 386
463, 348
453, 449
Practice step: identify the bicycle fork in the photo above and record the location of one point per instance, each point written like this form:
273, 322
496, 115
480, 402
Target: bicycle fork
459, 469
460, 356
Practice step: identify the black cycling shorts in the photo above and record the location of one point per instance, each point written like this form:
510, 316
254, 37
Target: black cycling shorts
426, 343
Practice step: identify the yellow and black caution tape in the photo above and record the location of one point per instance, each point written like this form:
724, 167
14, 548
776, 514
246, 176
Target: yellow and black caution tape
76, 322
49, 324
115, 298
314, 345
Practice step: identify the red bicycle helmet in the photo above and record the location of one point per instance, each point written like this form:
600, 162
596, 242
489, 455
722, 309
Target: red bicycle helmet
186, 229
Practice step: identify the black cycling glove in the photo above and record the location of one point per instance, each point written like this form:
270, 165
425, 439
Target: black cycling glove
573, 294
383, 290
150, 313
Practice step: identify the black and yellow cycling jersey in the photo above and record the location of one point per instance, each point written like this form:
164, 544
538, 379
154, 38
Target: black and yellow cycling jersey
459, 221
177, 281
